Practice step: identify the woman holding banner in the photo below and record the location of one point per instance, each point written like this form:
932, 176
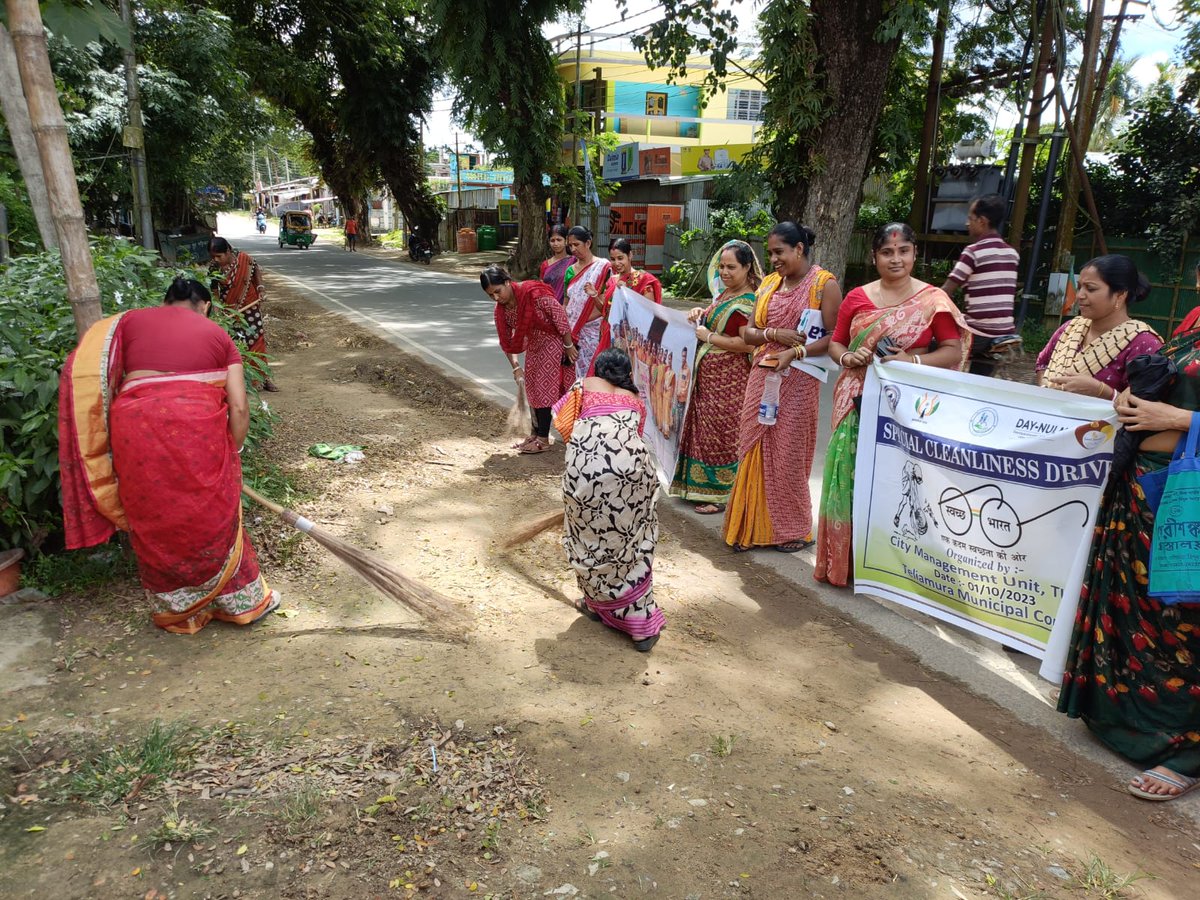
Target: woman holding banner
1087, 354
1133, 668
708, 456
599, 302
895, 318
587, 278
769, 504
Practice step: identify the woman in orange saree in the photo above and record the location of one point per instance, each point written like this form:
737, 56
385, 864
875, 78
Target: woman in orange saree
895, 318
152, 411
239, 285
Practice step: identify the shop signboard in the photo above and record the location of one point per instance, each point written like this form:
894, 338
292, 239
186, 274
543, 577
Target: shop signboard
628, 220
621, 164
706, 160
658, 162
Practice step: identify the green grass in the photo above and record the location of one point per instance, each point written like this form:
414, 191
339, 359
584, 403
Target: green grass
78, 571
1098, 878
111, 774
178, 829
301, 809
722, 745
268, 479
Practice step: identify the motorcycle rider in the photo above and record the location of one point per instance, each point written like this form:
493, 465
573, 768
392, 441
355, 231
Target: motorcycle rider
260, 220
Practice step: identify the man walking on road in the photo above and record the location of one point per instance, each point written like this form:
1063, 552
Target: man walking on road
351, 234
988, 268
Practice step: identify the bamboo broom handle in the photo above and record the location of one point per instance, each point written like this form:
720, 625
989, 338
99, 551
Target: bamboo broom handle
292, 518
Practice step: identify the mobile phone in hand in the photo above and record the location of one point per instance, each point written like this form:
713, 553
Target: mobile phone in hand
886, 347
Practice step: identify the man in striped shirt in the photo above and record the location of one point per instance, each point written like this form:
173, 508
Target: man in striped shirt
988, 268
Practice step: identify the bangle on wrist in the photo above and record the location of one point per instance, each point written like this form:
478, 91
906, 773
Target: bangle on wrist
801, 351
916, 359
842, 358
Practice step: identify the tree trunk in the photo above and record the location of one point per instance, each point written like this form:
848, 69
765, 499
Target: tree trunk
933, 92
50, 131
855, 68
1032, 132
404, 172
20, 132
1089, 94
531, 249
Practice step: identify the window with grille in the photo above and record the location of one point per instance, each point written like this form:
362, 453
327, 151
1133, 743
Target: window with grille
747, 106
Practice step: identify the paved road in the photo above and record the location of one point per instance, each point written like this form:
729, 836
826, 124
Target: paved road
444, 318
447, 320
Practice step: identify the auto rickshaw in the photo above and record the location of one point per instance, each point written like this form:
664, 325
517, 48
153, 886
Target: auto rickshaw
296, 229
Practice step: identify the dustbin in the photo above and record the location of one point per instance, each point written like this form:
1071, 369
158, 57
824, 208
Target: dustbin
465, 241
487, 237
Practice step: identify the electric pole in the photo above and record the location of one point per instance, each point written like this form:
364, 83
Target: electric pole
135, 139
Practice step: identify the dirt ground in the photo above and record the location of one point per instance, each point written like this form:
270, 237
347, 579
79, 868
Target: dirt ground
766, 747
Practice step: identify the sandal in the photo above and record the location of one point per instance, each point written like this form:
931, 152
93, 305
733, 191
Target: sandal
644, 645
710, 509
794, 546
738, 548
536, 445
583, 609
521, 444
1183, 783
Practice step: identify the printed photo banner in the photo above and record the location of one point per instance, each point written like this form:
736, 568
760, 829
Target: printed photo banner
975, 498
662, 345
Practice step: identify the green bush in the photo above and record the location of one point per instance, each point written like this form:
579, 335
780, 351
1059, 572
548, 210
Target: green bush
37, 331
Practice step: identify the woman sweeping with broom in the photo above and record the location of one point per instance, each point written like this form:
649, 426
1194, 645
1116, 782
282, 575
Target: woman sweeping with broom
152, 415
609, 490
530, 320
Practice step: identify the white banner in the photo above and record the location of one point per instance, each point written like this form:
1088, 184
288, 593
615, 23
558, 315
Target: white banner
974, 501
661, 342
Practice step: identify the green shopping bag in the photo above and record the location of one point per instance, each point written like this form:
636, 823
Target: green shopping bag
1175, 548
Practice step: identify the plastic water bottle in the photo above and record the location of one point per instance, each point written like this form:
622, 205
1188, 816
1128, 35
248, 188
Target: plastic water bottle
768, 406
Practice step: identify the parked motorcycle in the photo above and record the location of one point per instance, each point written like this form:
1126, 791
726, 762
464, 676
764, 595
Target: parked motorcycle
420, 250
992, 356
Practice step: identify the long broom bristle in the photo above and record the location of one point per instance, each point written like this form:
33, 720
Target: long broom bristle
527, 532
518, 416
441, 613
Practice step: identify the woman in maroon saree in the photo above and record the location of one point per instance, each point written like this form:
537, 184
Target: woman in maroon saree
554, 270
152, 413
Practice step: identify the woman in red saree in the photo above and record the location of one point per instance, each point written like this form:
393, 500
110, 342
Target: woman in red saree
897, 318
620, 261
769, 504
152, 412
554, 270
530, 320
239, 285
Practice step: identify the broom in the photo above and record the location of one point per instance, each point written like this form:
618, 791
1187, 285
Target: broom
531, 529
518, 415
439, 611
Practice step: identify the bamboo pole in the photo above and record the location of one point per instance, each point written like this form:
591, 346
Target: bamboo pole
1032, 130
20, 133
50, 131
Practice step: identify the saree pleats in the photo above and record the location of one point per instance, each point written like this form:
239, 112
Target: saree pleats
180, 484
835, 535
609, 492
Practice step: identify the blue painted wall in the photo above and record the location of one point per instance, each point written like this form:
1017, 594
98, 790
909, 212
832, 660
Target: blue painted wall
629, 98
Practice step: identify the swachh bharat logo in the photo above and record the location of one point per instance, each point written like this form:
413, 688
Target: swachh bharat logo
927, 405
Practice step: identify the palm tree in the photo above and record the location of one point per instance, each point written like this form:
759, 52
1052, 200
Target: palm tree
1120, 93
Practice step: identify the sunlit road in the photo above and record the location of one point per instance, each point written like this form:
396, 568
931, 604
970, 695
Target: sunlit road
446, 319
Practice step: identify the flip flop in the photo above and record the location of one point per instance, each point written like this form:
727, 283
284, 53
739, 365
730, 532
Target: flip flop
583, 609
738, 548
1183, 782
645, 644
794, 546
536, 447
710, 509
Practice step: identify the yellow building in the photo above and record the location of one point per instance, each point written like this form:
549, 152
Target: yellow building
636, 104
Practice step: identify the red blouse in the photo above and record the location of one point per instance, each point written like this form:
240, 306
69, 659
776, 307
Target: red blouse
943, 327
174, 339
